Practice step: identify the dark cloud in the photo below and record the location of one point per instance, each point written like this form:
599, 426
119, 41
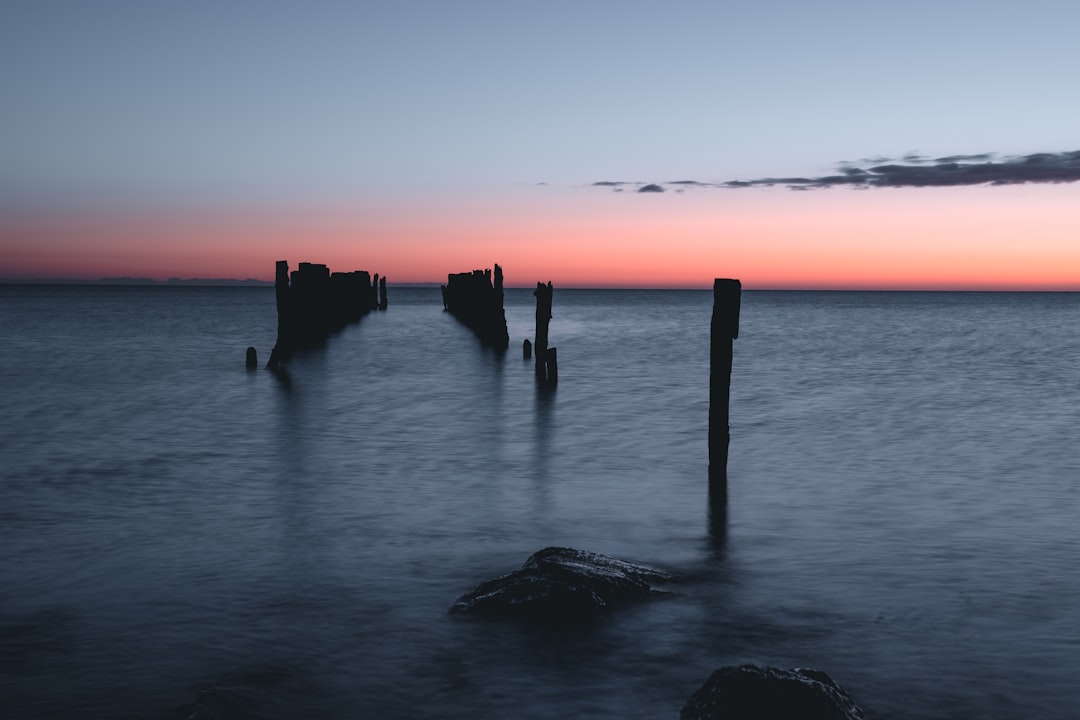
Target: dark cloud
916, 171
912, 170
983, 157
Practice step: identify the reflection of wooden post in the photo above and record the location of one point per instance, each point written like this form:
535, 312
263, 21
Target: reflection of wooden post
725, 328
543, 295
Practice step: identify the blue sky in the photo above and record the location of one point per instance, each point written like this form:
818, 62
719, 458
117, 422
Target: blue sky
121, 102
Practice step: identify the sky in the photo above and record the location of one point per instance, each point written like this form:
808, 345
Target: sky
833, 144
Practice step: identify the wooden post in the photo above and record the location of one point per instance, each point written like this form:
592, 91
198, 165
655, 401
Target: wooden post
497, 285
552, 366
725, 328
252, 358
500, 333
284, 315
382, 293
543, 295
526, 349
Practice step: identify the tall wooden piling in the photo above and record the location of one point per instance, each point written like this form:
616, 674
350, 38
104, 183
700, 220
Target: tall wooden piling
543, 295
727, 296
284, 311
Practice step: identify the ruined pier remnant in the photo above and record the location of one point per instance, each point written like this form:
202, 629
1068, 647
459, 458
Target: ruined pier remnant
727, 295
547, 365
312, 303
476, 299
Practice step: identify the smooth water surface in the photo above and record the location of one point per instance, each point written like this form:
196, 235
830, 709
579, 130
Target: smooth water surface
903, 503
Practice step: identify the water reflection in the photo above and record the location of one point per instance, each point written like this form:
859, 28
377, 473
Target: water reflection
543, 414
718, 530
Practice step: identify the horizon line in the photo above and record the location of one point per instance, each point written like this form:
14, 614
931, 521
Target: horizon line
125, 281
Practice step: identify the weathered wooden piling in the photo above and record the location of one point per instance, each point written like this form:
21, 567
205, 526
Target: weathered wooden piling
382, 293
252, 358
526, 349
312, 303
727, 296
543, 295
476, 299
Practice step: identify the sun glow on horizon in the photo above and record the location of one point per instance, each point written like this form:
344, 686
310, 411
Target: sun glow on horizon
964, 238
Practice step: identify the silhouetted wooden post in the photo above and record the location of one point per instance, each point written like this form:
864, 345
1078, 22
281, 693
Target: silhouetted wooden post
497, 286
284, 314
526, 349
725, 328
543, 295
252, 358
382, 293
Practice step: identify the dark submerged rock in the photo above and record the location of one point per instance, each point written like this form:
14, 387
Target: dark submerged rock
559, 585
748, 692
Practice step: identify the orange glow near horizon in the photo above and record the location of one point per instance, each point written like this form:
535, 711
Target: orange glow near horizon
1010, 238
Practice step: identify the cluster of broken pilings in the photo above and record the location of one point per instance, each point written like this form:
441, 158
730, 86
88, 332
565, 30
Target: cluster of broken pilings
313, 303
476, 299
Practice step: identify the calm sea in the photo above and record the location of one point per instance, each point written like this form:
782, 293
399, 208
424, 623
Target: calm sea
904, 504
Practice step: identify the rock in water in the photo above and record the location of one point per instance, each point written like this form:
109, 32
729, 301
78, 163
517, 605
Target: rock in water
751, 692
558, 585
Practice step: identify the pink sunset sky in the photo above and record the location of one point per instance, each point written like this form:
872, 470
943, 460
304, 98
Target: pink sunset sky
1013, 237
931, 144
